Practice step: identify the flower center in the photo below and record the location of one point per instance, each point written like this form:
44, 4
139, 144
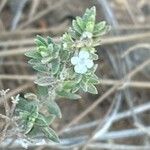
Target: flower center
82, 61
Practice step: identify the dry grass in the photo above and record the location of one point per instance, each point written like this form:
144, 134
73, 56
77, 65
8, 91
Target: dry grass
125, 51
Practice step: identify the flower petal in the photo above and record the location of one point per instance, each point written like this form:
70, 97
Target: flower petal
89, 63
74, 60
80, 69
84, 54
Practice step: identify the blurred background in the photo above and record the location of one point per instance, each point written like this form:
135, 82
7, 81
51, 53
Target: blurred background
118, 118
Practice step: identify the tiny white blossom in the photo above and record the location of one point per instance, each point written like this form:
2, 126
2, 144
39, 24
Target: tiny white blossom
82, 62
65, 45
86, 35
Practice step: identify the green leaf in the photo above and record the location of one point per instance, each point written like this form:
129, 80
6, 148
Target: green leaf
76, 27
30, 121
42, 48
67, 38
69, 84
50, 48
28, 112
44, 81
30, 96
46, 60
26, 105
44, 53
89, 18
42, 120
90, 26
33, 61
92, 89
80, 23
64, 55
38, 42
94, 56
73, 34
55, 53
33, 54
68, 95
78, 78
83, 86
49, 40
54, 109
50, 134
35, 132
99, 26
93, 79
99, 33
42, 40
40, 68
42, 92
55, 65
75, 89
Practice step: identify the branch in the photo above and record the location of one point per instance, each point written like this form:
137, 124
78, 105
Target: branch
137, 110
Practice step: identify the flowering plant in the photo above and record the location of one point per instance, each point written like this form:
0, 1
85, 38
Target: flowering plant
63, 68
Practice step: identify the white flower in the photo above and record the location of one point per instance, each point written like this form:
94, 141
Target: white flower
82, 62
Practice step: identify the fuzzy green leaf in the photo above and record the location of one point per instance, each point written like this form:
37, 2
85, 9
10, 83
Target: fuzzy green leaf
28, 114
64, 55
49, 40
33, 54
40, 67
93, 79
42, 120
30, 96
50, 134
33, 61
42, 40
90, 26
26, 105
68, 95
76, 27
99, 26
46, 60
83, 86
55, 65
75, 89
94, 56
99, 31
50, 48
80, 23
55, 53
73, 34
44, 81
69, 84
35, 132
54, 109
42, 92
89, 18
67, 38
30, 121
92, 89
